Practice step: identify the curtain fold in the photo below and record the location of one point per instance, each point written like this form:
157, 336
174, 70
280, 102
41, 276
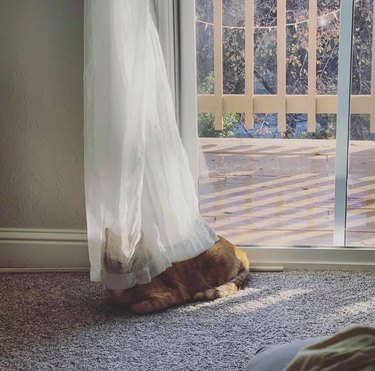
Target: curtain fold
142, 209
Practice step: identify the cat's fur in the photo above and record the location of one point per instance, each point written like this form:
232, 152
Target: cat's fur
221, 270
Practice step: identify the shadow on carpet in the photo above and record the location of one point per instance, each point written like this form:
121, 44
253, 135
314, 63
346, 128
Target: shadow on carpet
65, 322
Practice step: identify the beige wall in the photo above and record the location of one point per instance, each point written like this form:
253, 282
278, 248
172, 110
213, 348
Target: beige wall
41, 114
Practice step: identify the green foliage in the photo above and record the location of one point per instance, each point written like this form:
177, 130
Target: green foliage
319, 134
206, 121
206, 125
206, 85
329, 133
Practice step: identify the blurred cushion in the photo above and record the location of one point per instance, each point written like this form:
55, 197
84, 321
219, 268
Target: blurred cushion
276, 358
352, 349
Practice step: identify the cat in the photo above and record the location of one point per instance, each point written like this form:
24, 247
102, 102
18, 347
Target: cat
219, 271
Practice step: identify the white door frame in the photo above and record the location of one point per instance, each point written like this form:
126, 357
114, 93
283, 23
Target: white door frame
188, 84
176, 26
275, 257
343, 122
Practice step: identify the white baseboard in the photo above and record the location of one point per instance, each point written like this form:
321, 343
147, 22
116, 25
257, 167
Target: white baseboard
43, 249
326, 258
45, 270
50, 250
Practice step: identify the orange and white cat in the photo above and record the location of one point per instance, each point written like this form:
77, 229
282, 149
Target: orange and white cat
219, 271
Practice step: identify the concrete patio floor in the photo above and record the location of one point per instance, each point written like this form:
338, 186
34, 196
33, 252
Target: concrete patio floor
281, 191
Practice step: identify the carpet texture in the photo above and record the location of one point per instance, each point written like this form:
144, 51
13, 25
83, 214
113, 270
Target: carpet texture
65, 322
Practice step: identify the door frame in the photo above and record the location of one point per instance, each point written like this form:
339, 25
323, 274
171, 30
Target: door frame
279, 257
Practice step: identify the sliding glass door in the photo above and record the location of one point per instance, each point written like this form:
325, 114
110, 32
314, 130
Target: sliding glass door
287, 152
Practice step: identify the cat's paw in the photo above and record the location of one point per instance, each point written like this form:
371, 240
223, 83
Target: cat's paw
210, 294
199, 296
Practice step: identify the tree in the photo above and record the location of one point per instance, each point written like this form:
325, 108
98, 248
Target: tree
265, 36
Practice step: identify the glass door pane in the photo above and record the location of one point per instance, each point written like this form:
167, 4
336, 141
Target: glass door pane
361, 182
267, 92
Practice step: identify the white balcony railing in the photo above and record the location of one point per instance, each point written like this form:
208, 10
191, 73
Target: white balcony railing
281, 103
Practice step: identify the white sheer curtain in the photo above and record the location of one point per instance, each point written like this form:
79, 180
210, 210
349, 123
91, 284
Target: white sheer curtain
142, 209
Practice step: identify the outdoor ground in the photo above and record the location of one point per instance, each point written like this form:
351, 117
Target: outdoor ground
281, 191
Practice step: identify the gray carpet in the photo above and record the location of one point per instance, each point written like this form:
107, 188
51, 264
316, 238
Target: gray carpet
64, 322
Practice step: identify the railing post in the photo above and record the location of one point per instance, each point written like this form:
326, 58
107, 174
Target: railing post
281, 65
311, 113
218, 63
372, 114
249, 63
